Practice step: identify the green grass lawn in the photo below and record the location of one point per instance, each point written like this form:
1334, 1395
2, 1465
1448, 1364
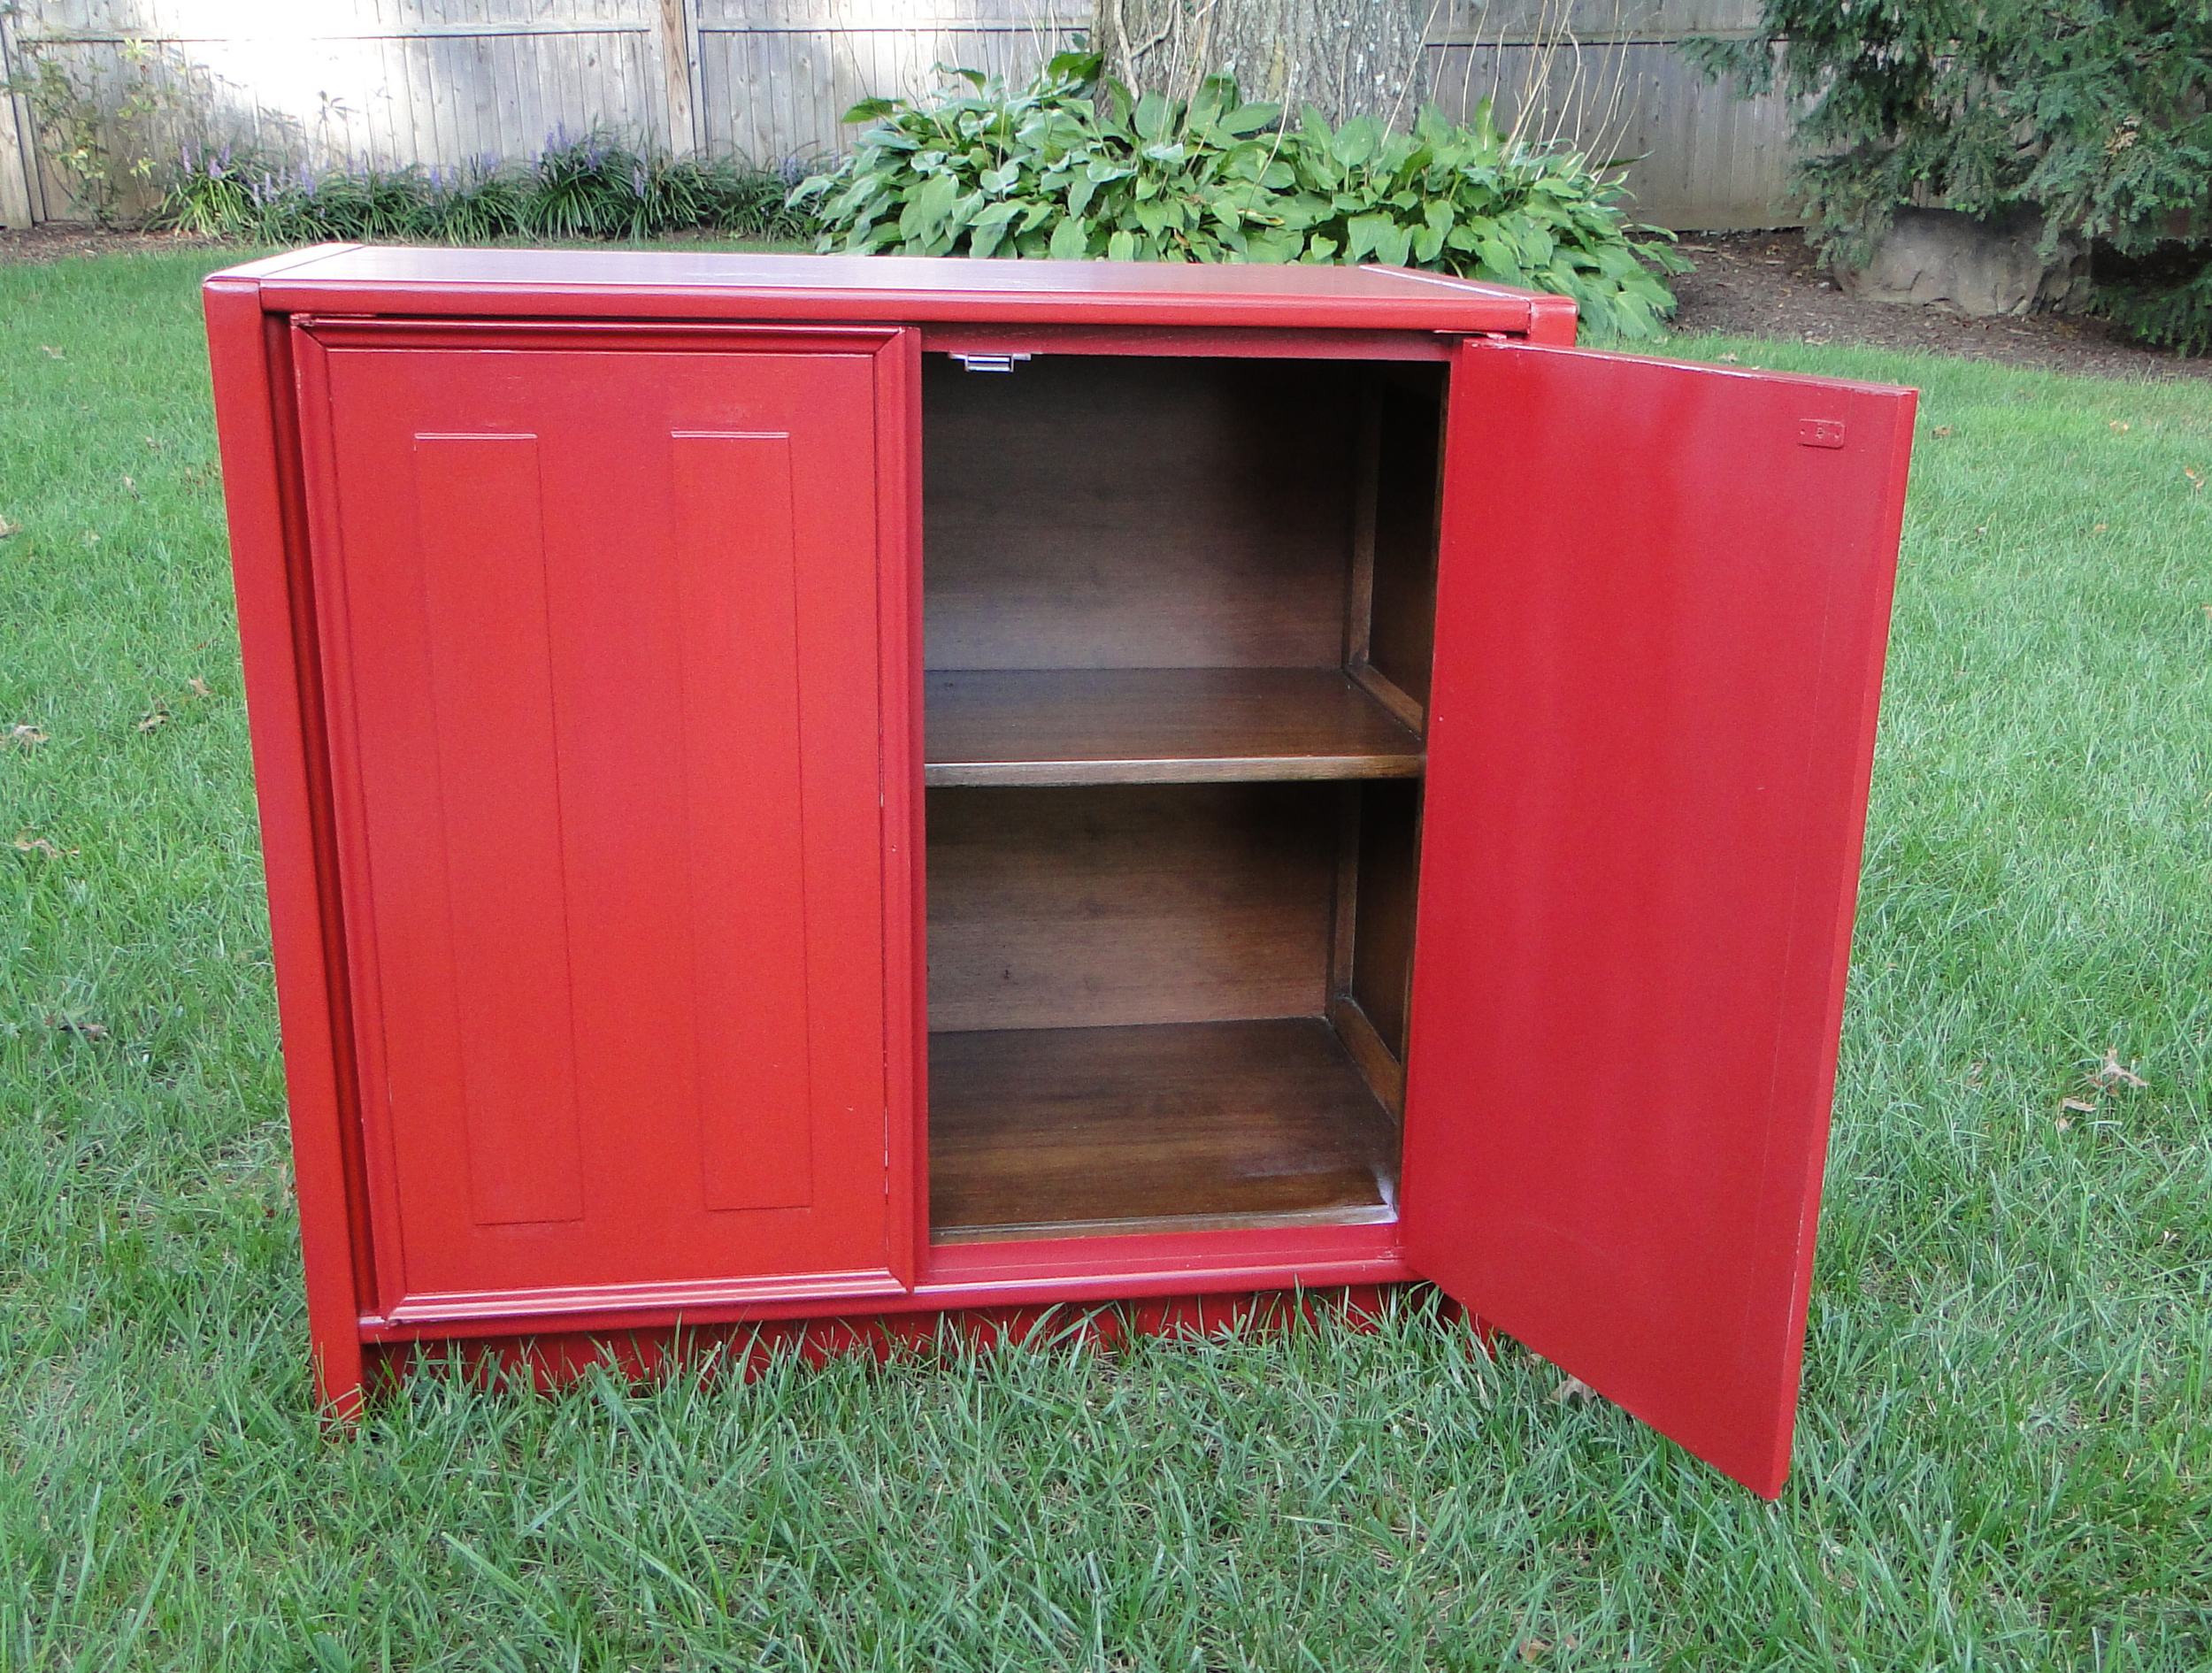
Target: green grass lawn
2005, 1453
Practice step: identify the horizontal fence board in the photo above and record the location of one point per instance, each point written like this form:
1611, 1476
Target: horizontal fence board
455, 83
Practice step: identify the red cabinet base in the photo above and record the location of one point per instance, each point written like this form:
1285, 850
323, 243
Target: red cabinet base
802, 795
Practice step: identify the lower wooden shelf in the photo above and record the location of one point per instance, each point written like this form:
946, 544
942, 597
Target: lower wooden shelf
1159, 725
1043, 1132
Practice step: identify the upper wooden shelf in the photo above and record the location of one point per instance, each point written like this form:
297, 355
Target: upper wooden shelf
1158, 726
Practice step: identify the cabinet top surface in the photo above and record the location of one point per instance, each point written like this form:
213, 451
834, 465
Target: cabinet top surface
892, 288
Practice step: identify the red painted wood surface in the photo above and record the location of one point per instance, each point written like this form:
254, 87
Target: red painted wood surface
617, 962
645, 284
957, 1278
1661, 619
248, 357
657, 1353
593, 854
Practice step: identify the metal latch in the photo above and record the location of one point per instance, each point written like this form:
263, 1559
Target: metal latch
989, 363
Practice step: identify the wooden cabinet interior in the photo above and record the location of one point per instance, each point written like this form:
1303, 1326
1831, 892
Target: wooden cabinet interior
1178, 615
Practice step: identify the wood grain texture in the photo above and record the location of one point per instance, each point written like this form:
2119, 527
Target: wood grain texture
1250, 1123
1158, 726
1117, 511
1401, 637
1122, 904
1385, 1070
1389, 868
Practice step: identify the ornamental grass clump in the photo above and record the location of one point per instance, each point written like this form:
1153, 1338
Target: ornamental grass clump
574, 189
1075, 166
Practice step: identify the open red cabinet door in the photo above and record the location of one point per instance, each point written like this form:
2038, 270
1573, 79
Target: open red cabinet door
1662, 604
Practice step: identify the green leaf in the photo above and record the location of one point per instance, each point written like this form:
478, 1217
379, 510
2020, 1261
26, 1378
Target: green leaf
870, 111
927, 207
1121, 246
1364, 232
1078, 69
1070, 238
1356, 142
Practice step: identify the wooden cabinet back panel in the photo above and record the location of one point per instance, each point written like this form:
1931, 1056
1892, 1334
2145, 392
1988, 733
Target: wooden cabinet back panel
1118, 905
1120, 511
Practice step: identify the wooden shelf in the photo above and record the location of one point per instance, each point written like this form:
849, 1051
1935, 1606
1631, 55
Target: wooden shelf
1159, 725
1050, 1131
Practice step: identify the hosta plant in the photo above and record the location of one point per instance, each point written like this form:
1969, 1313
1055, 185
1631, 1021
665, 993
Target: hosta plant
1075, 166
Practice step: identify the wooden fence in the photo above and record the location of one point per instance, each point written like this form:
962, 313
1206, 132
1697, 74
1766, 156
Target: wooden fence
450, 82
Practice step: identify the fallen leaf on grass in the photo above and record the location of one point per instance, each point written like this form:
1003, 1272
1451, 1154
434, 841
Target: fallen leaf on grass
1573, 1388
159, 718
51, 350
26, 843
130, 487
24, 737
84, 1031
1941, 429
2114, 423
8, 528
2196, 477
2100, 528
1534, 1650
2113, 1073
197, 686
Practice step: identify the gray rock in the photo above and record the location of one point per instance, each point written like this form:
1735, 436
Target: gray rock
1938, 256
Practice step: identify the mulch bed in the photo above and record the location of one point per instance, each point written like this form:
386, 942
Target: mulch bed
1746, 285
1768, 285
53, 239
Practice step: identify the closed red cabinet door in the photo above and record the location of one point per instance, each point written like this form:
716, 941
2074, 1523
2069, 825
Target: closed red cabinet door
601, 642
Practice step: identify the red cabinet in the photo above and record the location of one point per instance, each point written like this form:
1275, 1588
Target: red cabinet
809, 788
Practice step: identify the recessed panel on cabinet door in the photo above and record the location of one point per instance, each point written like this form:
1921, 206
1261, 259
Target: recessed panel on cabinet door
618, 961
1661, 608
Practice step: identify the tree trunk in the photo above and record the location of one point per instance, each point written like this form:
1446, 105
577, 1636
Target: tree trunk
1349, 57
